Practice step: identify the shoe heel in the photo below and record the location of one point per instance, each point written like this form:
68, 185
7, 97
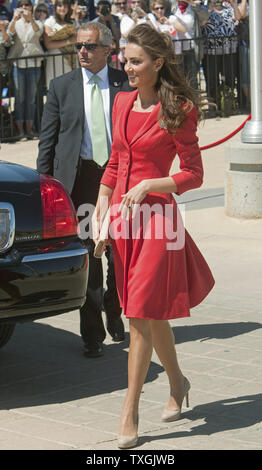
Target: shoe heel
187, 399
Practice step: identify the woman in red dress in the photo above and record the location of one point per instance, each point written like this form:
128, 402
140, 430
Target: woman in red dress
160, 272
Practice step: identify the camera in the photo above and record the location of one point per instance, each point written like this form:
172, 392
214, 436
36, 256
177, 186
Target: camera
105, 10
82, 7
20, 11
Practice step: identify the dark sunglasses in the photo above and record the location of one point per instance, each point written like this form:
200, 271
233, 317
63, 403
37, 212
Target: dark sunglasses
88, 46
25, 5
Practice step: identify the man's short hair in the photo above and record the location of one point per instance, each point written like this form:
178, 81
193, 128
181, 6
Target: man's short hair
105, 35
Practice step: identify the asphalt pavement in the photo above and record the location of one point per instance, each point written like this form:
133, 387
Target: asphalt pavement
53, 398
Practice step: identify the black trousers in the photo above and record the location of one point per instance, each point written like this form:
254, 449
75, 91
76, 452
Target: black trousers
216, 65
85, 190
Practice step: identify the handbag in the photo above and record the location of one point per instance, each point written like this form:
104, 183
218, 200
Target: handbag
103, 236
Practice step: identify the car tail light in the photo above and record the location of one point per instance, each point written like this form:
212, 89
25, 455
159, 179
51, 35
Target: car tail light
59, 216
7, 226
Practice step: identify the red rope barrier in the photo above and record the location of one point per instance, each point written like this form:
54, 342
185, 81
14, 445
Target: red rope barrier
226, 138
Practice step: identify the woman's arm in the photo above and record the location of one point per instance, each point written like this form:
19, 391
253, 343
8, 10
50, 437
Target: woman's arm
51, 44
177, 24
243, 8
29, 17
237, 13
103, 203
3, 25
189, 177
11, 27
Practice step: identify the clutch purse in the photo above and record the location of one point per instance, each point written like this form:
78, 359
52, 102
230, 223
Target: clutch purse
103, 236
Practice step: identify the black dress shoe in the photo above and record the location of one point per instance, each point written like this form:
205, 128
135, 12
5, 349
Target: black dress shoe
116, 329
93, 349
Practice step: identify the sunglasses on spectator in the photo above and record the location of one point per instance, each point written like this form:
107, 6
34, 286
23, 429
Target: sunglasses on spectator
25, 5
120, 3
158, 8
88, 46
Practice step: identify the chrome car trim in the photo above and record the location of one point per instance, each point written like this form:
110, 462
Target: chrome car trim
54, 255
7, 206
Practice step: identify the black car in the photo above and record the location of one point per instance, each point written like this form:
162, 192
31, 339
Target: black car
43, 262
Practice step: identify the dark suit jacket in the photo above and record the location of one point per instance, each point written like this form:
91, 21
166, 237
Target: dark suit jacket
62, 124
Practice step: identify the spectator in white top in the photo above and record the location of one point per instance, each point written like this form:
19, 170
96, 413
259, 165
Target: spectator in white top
59, 64
41, 12
26, 32
119, 8
136, 14
189, 14
158, 17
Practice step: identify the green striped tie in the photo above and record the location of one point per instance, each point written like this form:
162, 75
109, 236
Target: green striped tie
98, 131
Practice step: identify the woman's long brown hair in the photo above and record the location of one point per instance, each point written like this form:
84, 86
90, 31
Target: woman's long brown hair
176, 95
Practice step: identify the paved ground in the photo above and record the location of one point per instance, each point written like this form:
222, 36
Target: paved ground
52, 397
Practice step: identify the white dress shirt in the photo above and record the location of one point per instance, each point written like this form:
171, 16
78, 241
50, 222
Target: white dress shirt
86, 151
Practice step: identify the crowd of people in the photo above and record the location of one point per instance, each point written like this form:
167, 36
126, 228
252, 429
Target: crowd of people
207, 35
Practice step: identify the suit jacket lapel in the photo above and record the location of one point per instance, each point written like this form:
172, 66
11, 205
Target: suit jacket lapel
78, 93
150, 121
115, 86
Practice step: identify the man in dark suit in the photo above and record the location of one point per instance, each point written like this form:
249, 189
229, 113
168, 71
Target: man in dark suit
68, 150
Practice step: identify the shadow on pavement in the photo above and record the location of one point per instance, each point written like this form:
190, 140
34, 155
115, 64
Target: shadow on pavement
213, 331
43, 364
219, 416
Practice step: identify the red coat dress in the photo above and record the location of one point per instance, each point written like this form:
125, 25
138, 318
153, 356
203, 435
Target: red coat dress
160, 273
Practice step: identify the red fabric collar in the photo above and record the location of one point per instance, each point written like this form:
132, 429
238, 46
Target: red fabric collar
182, 6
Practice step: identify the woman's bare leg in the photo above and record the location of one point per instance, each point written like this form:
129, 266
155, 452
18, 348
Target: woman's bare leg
139, 357
164, 345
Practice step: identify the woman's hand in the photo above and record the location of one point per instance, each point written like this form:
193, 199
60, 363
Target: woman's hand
132, 199
137, 13
72, 39
28, 16
17, 15
163, 20
96, 227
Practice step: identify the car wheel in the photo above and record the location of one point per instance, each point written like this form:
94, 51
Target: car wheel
6, 331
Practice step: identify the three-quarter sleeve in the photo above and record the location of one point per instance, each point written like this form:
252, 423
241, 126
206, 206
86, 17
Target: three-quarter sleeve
191, 168
109, 177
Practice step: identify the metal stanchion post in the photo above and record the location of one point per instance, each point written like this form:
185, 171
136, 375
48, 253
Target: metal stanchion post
252, 132
243, 190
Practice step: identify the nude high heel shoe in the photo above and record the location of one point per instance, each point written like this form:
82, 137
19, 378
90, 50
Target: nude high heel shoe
174, 415
125, 442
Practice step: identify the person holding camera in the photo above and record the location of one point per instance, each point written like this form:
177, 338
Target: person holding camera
68, 149
80, 13
26, 33
105, 16
136, 14
59, 37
